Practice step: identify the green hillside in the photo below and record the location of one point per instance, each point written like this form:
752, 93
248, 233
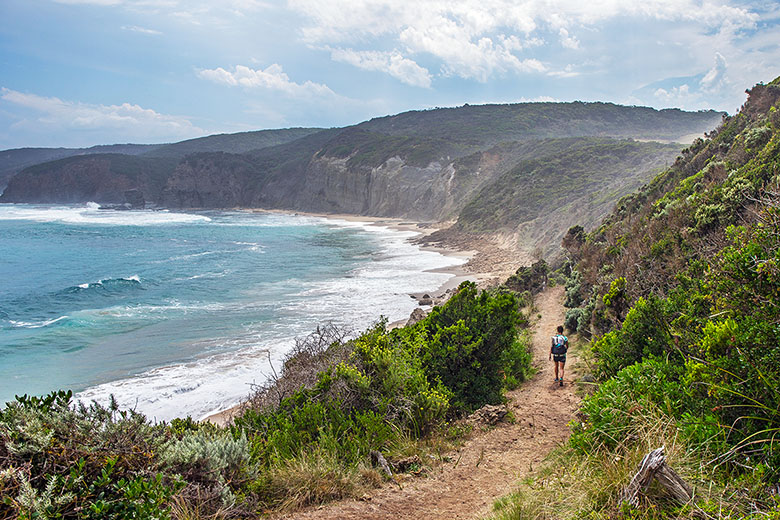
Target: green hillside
236, 143
680, 291
491, 124
14, 161
560, 174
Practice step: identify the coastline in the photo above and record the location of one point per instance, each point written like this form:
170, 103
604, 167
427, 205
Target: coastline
458, 273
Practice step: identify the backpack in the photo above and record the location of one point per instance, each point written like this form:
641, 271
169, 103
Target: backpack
559, 344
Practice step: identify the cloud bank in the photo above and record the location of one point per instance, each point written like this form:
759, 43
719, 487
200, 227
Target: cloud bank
271, 78
51, 115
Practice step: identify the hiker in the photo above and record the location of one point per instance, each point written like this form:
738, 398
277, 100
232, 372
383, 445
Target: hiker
560, 344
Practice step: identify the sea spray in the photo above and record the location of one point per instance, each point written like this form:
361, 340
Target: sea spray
178, 314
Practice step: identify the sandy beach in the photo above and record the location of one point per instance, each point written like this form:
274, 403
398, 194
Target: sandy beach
487, 262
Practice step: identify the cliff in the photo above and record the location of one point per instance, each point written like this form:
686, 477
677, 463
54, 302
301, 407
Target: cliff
425, 165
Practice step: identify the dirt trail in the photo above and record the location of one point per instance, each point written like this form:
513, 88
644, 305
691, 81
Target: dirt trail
490, 463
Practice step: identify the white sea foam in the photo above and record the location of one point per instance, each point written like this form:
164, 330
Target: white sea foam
35, 324
107, 281
214, 382
198, 388
90, 214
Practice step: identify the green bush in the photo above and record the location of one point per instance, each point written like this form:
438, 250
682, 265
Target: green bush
516, 361
619, 404
644, 333
467, 338
65, 461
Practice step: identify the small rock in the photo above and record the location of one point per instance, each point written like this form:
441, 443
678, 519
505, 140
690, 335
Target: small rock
416, 315
489, 414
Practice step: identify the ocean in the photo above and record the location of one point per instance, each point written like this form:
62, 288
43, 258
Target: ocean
180, 314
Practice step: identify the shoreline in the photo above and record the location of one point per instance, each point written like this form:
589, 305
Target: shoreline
459, 273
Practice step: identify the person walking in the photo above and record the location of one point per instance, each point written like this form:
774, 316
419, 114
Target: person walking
560, 344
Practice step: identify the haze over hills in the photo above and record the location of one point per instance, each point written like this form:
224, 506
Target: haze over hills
14, 161
424, 165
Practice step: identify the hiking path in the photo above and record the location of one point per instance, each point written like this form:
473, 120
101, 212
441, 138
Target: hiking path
490, 462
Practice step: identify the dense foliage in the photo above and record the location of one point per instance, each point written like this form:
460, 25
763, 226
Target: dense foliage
680, 289
305, 438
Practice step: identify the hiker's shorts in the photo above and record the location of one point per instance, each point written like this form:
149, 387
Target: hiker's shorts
559, 357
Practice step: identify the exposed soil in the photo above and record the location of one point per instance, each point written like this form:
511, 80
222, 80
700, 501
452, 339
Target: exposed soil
491, 462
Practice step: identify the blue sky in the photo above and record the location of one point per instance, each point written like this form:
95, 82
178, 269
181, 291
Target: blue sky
85, 72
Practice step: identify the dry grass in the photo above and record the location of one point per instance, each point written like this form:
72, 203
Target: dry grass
316, 478
575, 486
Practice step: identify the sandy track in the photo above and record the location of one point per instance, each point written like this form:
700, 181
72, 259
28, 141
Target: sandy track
490, 463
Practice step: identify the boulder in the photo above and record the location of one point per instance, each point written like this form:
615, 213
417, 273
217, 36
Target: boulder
416, 315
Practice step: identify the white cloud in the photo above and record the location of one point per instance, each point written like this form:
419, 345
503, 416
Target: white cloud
272, 77
393, 63
477, 39
129, 120
570, 42
715, 77
143, 30
675, 96
468, 58
567, 72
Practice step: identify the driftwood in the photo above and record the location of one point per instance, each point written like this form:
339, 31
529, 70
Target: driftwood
654, 466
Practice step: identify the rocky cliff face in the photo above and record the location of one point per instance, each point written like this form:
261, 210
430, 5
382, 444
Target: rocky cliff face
391, 189
210, 181
89, 179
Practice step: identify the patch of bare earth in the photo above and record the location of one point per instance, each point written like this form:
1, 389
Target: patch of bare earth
491, 462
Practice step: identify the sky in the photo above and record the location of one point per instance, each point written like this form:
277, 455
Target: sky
84, 72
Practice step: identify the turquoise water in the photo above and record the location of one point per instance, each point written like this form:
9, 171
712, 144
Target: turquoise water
178, 314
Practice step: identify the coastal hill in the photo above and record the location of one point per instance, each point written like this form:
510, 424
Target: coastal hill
425, 165
15, 160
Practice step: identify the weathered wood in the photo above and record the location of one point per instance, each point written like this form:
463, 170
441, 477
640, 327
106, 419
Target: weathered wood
674, 484
654, 465
379, 460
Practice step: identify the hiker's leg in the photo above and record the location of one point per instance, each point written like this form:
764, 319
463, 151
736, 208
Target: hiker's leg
556, 369
563, 364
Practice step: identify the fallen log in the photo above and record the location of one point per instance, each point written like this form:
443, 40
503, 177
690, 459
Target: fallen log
654, 466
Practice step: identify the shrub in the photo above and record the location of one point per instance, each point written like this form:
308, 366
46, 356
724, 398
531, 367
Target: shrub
532, 278
467, 338
644, 333
516, 361
572, 319
619, 404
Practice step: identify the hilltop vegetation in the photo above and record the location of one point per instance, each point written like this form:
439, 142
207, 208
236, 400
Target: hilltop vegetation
680, 291
492, 124
305, 438
241, 142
